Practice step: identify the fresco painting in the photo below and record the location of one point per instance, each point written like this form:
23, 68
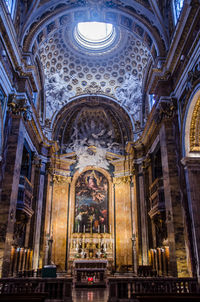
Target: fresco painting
91, 203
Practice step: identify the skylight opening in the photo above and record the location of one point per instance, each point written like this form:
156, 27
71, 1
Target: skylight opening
94, 35
95, 31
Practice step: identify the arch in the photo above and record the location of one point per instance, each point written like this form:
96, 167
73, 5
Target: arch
89, 97
191, 126
92, 121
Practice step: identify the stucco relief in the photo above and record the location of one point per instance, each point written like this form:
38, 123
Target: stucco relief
57, 94
88, 157
130, 95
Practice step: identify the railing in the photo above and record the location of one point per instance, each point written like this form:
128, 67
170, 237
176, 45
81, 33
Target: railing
58, 289
128, 288
25, 196
156, 185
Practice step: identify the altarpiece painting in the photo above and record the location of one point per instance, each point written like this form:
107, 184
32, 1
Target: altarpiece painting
91, 203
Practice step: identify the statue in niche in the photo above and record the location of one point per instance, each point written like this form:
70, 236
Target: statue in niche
130, 95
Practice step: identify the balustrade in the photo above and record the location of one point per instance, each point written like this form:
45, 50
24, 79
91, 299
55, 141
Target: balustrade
129, 288
157, 201
59, 289
25, 196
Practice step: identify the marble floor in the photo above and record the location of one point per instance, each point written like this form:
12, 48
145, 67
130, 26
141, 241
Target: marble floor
95, 294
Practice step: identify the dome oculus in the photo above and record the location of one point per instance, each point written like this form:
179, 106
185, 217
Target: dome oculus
94, 35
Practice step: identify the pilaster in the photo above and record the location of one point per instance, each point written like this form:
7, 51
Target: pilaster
124, 251
13, 158
172, 193
143, 214
59, 222
38, 213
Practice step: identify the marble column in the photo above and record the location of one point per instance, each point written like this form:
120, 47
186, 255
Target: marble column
38, 216
192, 173
13, 158
173, 203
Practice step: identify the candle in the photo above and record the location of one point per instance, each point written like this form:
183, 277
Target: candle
84, 229
104, 228
98, 228
78, 228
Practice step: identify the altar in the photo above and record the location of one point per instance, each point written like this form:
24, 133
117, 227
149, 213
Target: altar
90, 273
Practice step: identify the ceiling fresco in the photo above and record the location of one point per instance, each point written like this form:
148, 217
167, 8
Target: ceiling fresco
68, 74
70, 71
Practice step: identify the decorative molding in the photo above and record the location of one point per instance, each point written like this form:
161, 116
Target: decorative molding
191, 163
146, 163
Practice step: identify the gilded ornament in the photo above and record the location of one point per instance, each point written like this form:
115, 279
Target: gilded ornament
19, 107
194, 128
121, 180
59, 179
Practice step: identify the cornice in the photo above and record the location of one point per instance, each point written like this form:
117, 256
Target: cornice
187, 18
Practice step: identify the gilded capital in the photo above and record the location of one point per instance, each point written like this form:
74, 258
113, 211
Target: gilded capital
60, 179
121, 180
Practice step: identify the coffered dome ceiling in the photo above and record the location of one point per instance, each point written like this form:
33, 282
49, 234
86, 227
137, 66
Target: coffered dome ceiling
117, 70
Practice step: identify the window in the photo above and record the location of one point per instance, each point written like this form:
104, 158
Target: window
3, 102
178, 5
11, 5
151, 100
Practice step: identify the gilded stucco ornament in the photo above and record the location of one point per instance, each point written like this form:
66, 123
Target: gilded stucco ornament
165, 109
194, 128
60, 179
122, 180
19, 107
146, 163
193, 76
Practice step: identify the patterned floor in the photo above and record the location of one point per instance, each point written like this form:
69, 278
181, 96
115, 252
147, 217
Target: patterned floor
96, 294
